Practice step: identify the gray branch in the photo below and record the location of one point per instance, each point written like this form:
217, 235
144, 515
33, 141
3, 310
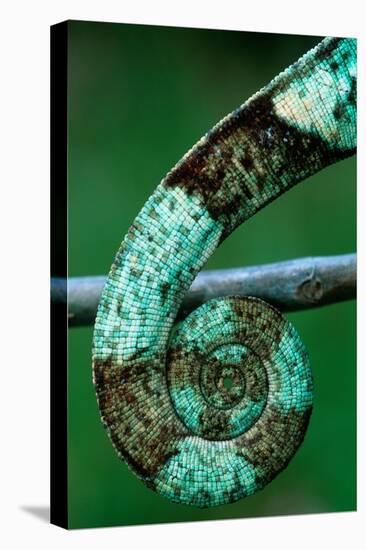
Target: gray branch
290, 286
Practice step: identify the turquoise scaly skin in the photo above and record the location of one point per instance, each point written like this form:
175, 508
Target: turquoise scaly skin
213, 413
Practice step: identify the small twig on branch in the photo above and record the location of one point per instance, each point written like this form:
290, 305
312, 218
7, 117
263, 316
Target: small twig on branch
290, 286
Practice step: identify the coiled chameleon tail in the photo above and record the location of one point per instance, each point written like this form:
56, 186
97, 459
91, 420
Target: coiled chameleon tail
218, 412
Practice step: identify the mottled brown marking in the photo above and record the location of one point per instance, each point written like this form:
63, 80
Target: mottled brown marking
122, 393
264, 445
281, 150
274, 319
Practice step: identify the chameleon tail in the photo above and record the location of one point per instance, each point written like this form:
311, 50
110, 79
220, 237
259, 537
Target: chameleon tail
219, 412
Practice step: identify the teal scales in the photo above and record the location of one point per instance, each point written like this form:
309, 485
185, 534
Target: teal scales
212, 412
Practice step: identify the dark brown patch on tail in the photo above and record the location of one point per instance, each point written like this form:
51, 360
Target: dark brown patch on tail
275, 156
274, 437
130, 401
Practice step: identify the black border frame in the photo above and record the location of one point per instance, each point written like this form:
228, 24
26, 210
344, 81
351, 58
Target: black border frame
59, 323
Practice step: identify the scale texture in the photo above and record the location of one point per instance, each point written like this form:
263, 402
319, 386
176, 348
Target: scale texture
213, 410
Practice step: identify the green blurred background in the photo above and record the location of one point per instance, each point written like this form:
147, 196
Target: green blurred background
139, 97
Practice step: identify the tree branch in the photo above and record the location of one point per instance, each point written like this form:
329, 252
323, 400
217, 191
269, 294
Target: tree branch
290, 286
